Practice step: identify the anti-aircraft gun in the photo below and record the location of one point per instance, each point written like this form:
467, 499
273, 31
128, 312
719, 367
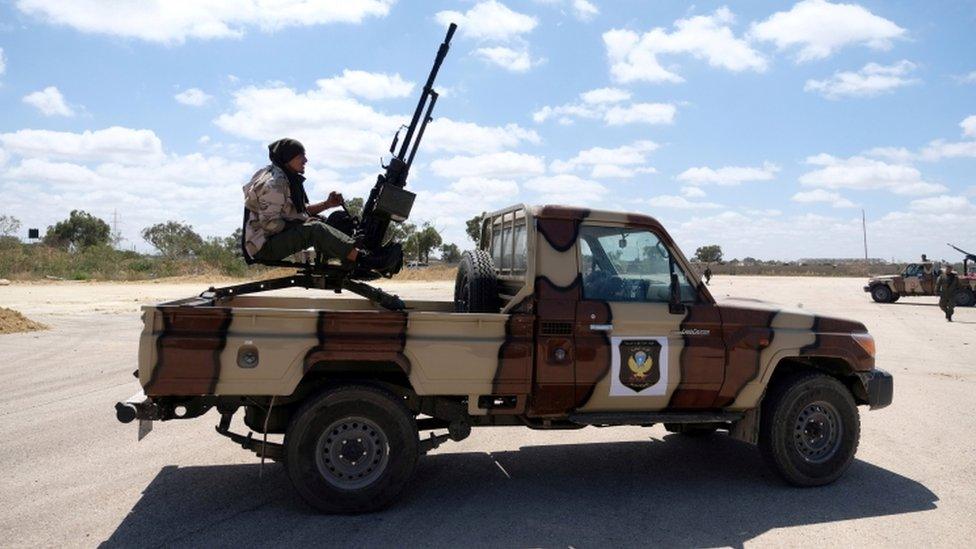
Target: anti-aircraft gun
388, 201
966, 258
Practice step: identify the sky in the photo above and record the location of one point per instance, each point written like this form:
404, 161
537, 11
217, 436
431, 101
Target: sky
763, 127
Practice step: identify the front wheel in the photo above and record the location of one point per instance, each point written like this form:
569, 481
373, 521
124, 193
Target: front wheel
351, 450
881, 293
809, 429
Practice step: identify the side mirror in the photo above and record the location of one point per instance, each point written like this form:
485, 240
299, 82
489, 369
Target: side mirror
675, 306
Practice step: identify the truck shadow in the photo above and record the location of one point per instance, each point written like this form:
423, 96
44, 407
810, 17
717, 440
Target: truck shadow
676, 492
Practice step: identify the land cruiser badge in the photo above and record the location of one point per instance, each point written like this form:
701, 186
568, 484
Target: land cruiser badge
640, 363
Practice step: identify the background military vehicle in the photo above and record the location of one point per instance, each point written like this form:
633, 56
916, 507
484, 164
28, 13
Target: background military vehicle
918, 279
564, 318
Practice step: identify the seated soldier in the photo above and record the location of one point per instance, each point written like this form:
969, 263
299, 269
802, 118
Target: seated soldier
279, 221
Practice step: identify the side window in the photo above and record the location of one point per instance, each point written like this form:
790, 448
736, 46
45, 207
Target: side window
620, 264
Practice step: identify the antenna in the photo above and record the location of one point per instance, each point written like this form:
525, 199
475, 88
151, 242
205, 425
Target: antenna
864, 229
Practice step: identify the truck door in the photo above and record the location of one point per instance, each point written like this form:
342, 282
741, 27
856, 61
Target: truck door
634, 352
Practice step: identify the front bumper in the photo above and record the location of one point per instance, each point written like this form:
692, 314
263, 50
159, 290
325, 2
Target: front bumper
867, 288
878, 388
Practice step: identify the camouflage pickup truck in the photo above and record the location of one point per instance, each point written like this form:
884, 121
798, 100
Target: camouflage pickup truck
564, 318
919, 279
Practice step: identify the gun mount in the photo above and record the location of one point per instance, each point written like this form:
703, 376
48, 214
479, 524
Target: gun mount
388, 201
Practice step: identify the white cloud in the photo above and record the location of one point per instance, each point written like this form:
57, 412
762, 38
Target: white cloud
820, 29
3, 62
969, 78
861, 173
339, 129
605, 95
821, 195
939, 149
368, 85
619, 162
49, 101
567, 189
692, 192
115, 144
667, 201
634, 57
606, 104
489, 20
584, 10
898, 155
943, 204
641, 113
873, 79
444, 134
729, 175
193, 97
968, 126
507, 58
493, 165
124, 169
175, 22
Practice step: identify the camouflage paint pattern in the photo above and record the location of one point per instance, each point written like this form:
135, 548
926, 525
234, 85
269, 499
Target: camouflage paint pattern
542, 349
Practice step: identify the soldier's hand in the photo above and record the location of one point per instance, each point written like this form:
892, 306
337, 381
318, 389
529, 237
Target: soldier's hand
335, 199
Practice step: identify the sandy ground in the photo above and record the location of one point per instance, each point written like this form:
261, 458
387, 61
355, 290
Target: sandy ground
73, 476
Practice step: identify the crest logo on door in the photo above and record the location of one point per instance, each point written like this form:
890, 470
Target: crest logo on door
640, 364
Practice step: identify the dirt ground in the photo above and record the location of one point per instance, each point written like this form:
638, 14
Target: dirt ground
73, 476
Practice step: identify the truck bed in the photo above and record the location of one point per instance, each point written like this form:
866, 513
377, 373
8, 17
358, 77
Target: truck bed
264, 345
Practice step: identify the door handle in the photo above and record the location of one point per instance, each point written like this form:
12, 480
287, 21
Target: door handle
601, 327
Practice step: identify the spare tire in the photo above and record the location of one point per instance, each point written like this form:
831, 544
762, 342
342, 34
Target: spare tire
476, 286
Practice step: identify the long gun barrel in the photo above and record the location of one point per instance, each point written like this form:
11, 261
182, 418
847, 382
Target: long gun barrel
388, 201
969, 256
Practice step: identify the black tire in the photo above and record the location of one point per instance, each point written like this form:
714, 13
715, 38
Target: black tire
476, 286
694, 430
964, 298
881, 293
334, 429
895, 297
809, 429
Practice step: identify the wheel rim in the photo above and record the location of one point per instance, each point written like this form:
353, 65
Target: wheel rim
352, 453
817, 432
882, 293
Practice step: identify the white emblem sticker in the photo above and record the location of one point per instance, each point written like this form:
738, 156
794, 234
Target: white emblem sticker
639, 366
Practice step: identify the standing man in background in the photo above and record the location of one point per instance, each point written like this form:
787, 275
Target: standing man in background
946, 286
708, 274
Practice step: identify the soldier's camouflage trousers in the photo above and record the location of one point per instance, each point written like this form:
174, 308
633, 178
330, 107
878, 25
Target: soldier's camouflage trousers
296, 237
948, 306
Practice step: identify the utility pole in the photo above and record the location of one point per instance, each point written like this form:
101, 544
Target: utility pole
864, 229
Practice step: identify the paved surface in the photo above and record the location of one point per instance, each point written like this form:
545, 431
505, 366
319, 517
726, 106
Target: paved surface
73, 476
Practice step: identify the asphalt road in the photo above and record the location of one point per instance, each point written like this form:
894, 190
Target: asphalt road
73, 476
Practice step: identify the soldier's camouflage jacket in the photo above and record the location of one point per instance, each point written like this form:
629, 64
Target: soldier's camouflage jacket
267, 196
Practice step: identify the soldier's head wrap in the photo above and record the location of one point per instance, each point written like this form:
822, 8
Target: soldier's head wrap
281, 152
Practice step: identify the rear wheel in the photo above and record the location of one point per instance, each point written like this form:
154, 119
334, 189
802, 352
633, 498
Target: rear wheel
809, 429
351, 450
476, 286
965, 298
881, 293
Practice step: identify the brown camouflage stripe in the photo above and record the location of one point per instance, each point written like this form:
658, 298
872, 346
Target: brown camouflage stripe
514, 373
899, 284
561, 386
367, 336
188, 350
560, 225
833, 339
747, 333
702, 359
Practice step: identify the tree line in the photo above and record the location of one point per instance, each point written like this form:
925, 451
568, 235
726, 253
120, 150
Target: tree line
173, 239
